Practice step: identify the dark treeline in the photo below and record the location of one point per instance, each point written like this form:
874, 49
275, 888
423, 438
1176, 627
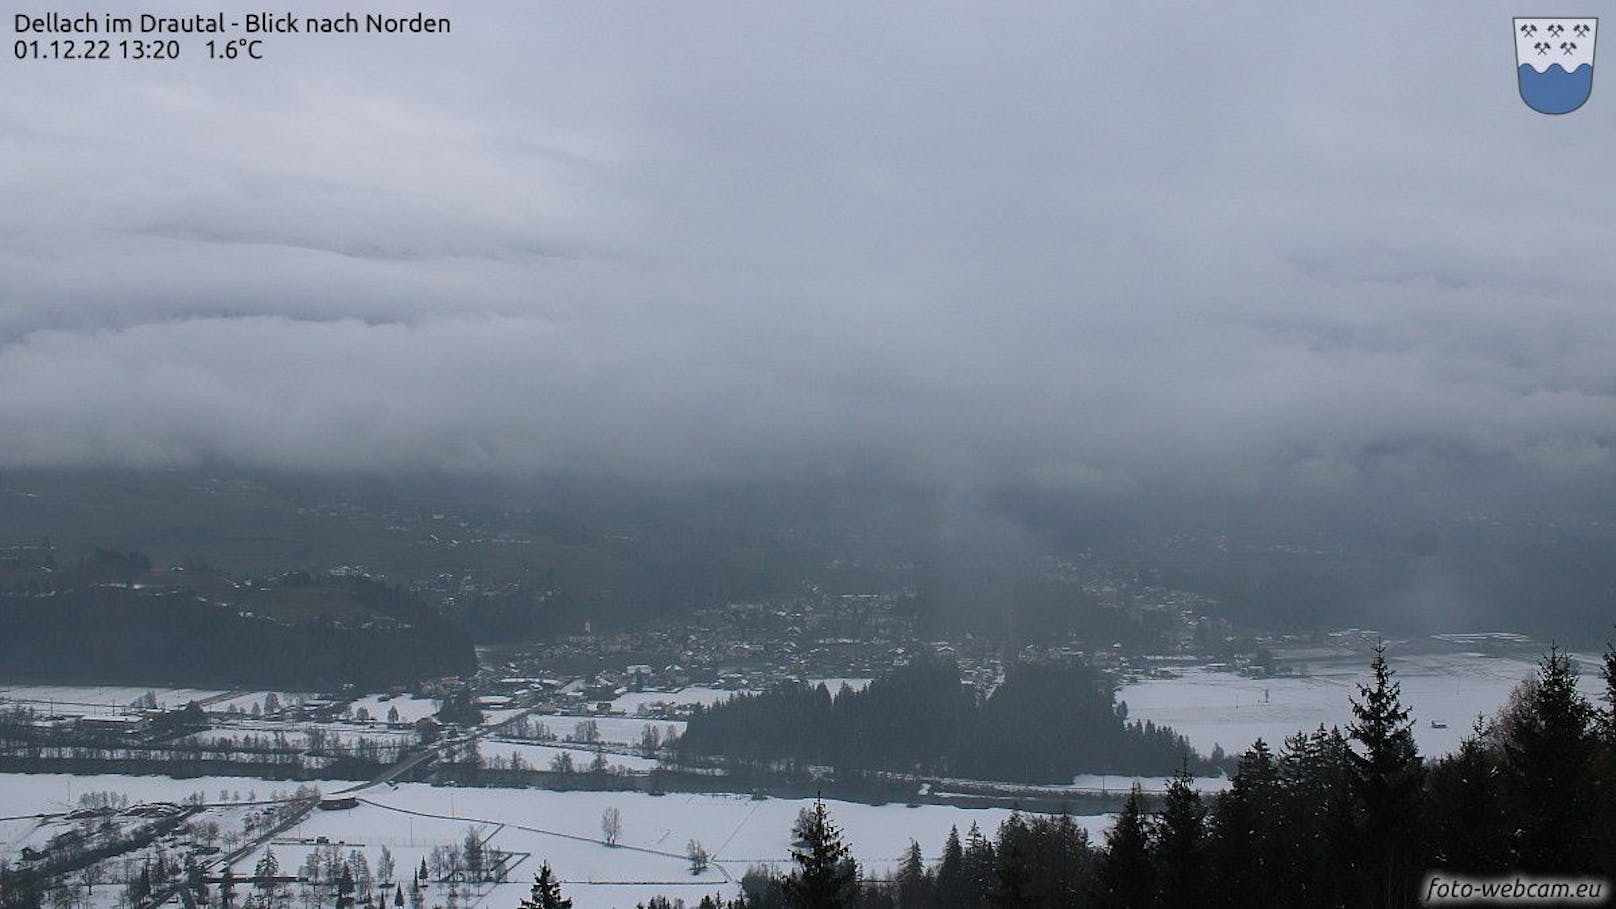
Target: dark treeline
1045, 723
1332, 819
87, 620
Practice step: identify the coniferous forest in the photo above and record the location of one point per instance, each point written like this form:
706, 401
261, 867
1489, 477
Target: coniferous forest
1045, 723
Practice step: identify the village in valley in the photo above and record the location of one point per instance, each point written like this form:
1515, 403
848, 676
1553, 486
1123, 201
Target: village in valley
448, 792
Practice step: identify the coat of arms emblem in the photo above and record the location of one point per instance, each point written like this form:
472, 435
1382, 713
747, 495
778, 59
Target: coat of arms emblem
1554, 62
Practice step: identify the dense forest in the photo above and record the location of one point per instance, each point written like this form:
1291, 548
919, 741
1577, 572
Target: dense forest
105, 617
1333, 819
1044, 724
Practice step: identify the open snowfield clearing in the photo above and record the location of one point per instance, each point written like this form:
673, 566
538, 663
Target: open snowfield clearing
1224, 708
409, 708
631, 702
617, 730
537, 825
563, 828
540, 756
50, 793
696, 694
99, 699
247, 699
297, 734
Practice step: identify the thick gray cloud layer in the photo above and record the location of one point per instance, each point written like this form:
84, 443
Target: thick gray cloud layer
1083, 247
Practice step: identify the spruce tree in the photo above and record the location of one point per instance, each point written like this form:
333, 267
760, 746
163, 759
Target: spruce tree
1317, 824
1388, 777
1469, 826
1244, 841
826, 876
914, 886
546, 892
345, 888
981, 871
952, 891
1012, 884
1125, 870
1063, 860
1180, 845
1550, 750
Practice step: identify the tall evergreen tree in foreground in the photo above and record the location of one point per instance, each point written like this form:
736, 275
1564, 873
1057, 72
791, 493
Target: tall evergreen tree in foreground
981, 867
1318, 819
826, 876
1550, 751
951, 889
914, 884
1012, 885
1388, 777
1125, 871
1180, 845
1243, 843
1470, 829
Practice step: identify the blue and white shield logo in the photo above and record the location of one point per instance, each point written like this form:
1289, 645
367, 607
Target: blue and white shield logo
1554, 62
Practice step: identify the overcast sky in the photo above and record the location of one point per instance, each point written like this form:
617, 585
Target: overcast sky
1084, 247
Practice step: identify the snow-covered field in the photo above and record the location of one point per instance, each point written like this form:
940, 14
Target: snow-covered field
244, 701
616, 730
409, 709
23, 794
540, 756
562, 828
297, 734
1210, 706
631, 702
99, 699
1213, 707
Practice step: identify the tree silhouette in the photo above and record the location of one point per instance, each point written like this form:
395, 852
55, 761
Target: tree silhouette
951, 873
1468, 831
1180, 845
914, 884
1012, 884
1550, 753
546, 893
826, 876
1125, 873
1387, 776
